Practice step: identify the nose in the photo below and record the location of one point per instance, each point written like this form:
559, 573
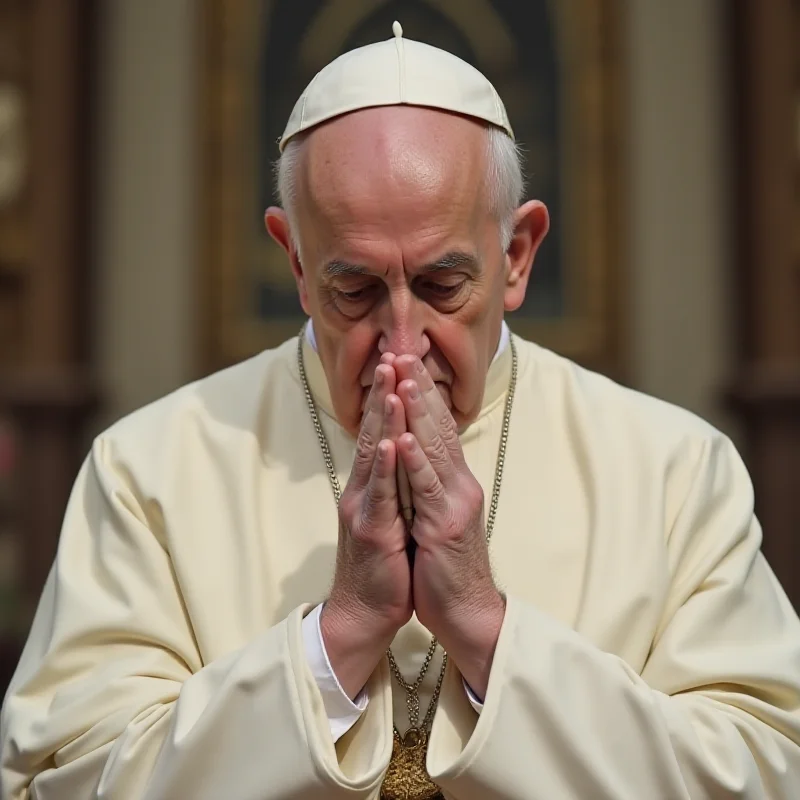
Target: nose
402, 328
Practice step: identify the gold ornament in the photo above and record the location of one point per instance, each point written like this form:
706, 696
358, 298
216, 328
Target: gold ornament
407, 777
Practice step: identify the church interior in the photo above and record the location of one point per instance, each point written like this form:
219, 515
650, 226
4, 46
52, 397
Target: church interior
136, 142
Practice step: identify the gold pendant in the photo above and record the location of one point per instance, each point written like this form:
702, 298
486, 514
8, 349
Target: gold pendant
407, 777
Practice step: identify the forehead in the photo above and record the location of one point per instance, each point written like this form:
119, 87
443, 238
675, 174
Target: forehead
395, 173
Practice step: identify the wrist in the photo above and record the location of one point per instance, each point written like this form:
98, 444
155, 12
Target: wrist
354, 643
359, 622
471, 640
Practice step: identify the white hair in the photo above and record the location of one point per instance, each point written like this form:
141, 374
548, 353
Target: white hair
504, 182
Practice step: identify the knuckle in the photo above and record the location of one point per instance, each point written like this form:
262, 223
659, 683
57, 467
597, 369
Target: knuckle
433, 491
347, 508
473, 494
362, 460
447, 425
436, 451
365, 450
366, 443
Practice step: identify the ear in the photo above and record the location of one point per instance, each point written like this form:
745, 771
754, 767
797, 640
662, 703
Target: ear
531, 223
277, 225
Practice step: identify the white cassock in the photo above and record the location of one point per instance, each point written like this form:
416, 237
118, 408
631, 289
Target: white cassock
647, 650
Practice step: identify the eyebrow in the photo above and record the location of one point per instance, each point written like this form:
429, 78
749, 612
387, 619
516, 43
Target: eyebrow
449, 261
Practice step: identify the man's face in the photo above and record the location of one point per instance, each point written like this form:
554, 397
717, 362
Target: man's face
400, 253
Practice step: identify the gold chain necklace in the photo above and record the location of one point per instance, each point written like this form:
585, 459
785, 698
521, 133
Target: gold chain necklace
407, 777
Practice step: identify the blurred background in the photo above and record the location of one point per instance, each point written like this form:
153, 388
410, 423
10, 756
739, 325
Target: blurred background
136, 144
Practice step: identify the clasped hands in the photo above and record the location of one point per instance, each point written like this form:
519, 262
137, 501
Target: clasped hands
376, 589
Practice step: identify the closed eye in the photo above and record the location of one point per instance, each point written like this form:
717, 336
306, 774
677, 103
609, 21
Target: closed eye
357, 294
442, 290
354, 302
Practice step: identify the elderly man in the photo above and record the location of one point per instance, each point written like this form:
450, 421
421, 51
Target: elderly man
251, 570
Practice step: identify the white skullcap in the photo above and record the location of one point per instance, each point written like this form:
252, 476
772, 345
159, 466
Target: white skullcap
396, 72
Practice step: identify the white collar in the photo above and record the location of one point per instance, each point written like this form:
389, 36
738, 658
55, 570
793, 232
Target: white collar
505, 335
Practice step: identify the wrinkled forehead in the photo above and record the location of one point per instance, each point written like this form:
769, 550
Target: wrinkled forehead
394, 165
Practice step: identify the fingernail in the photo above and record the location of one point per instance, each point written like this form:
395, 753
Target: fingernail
389, 408
382, 450
413, 391
420, 366
379, 378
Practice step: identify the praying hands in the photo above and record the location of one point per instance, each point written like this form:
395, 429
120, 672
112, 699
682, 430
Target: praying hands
375, 588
